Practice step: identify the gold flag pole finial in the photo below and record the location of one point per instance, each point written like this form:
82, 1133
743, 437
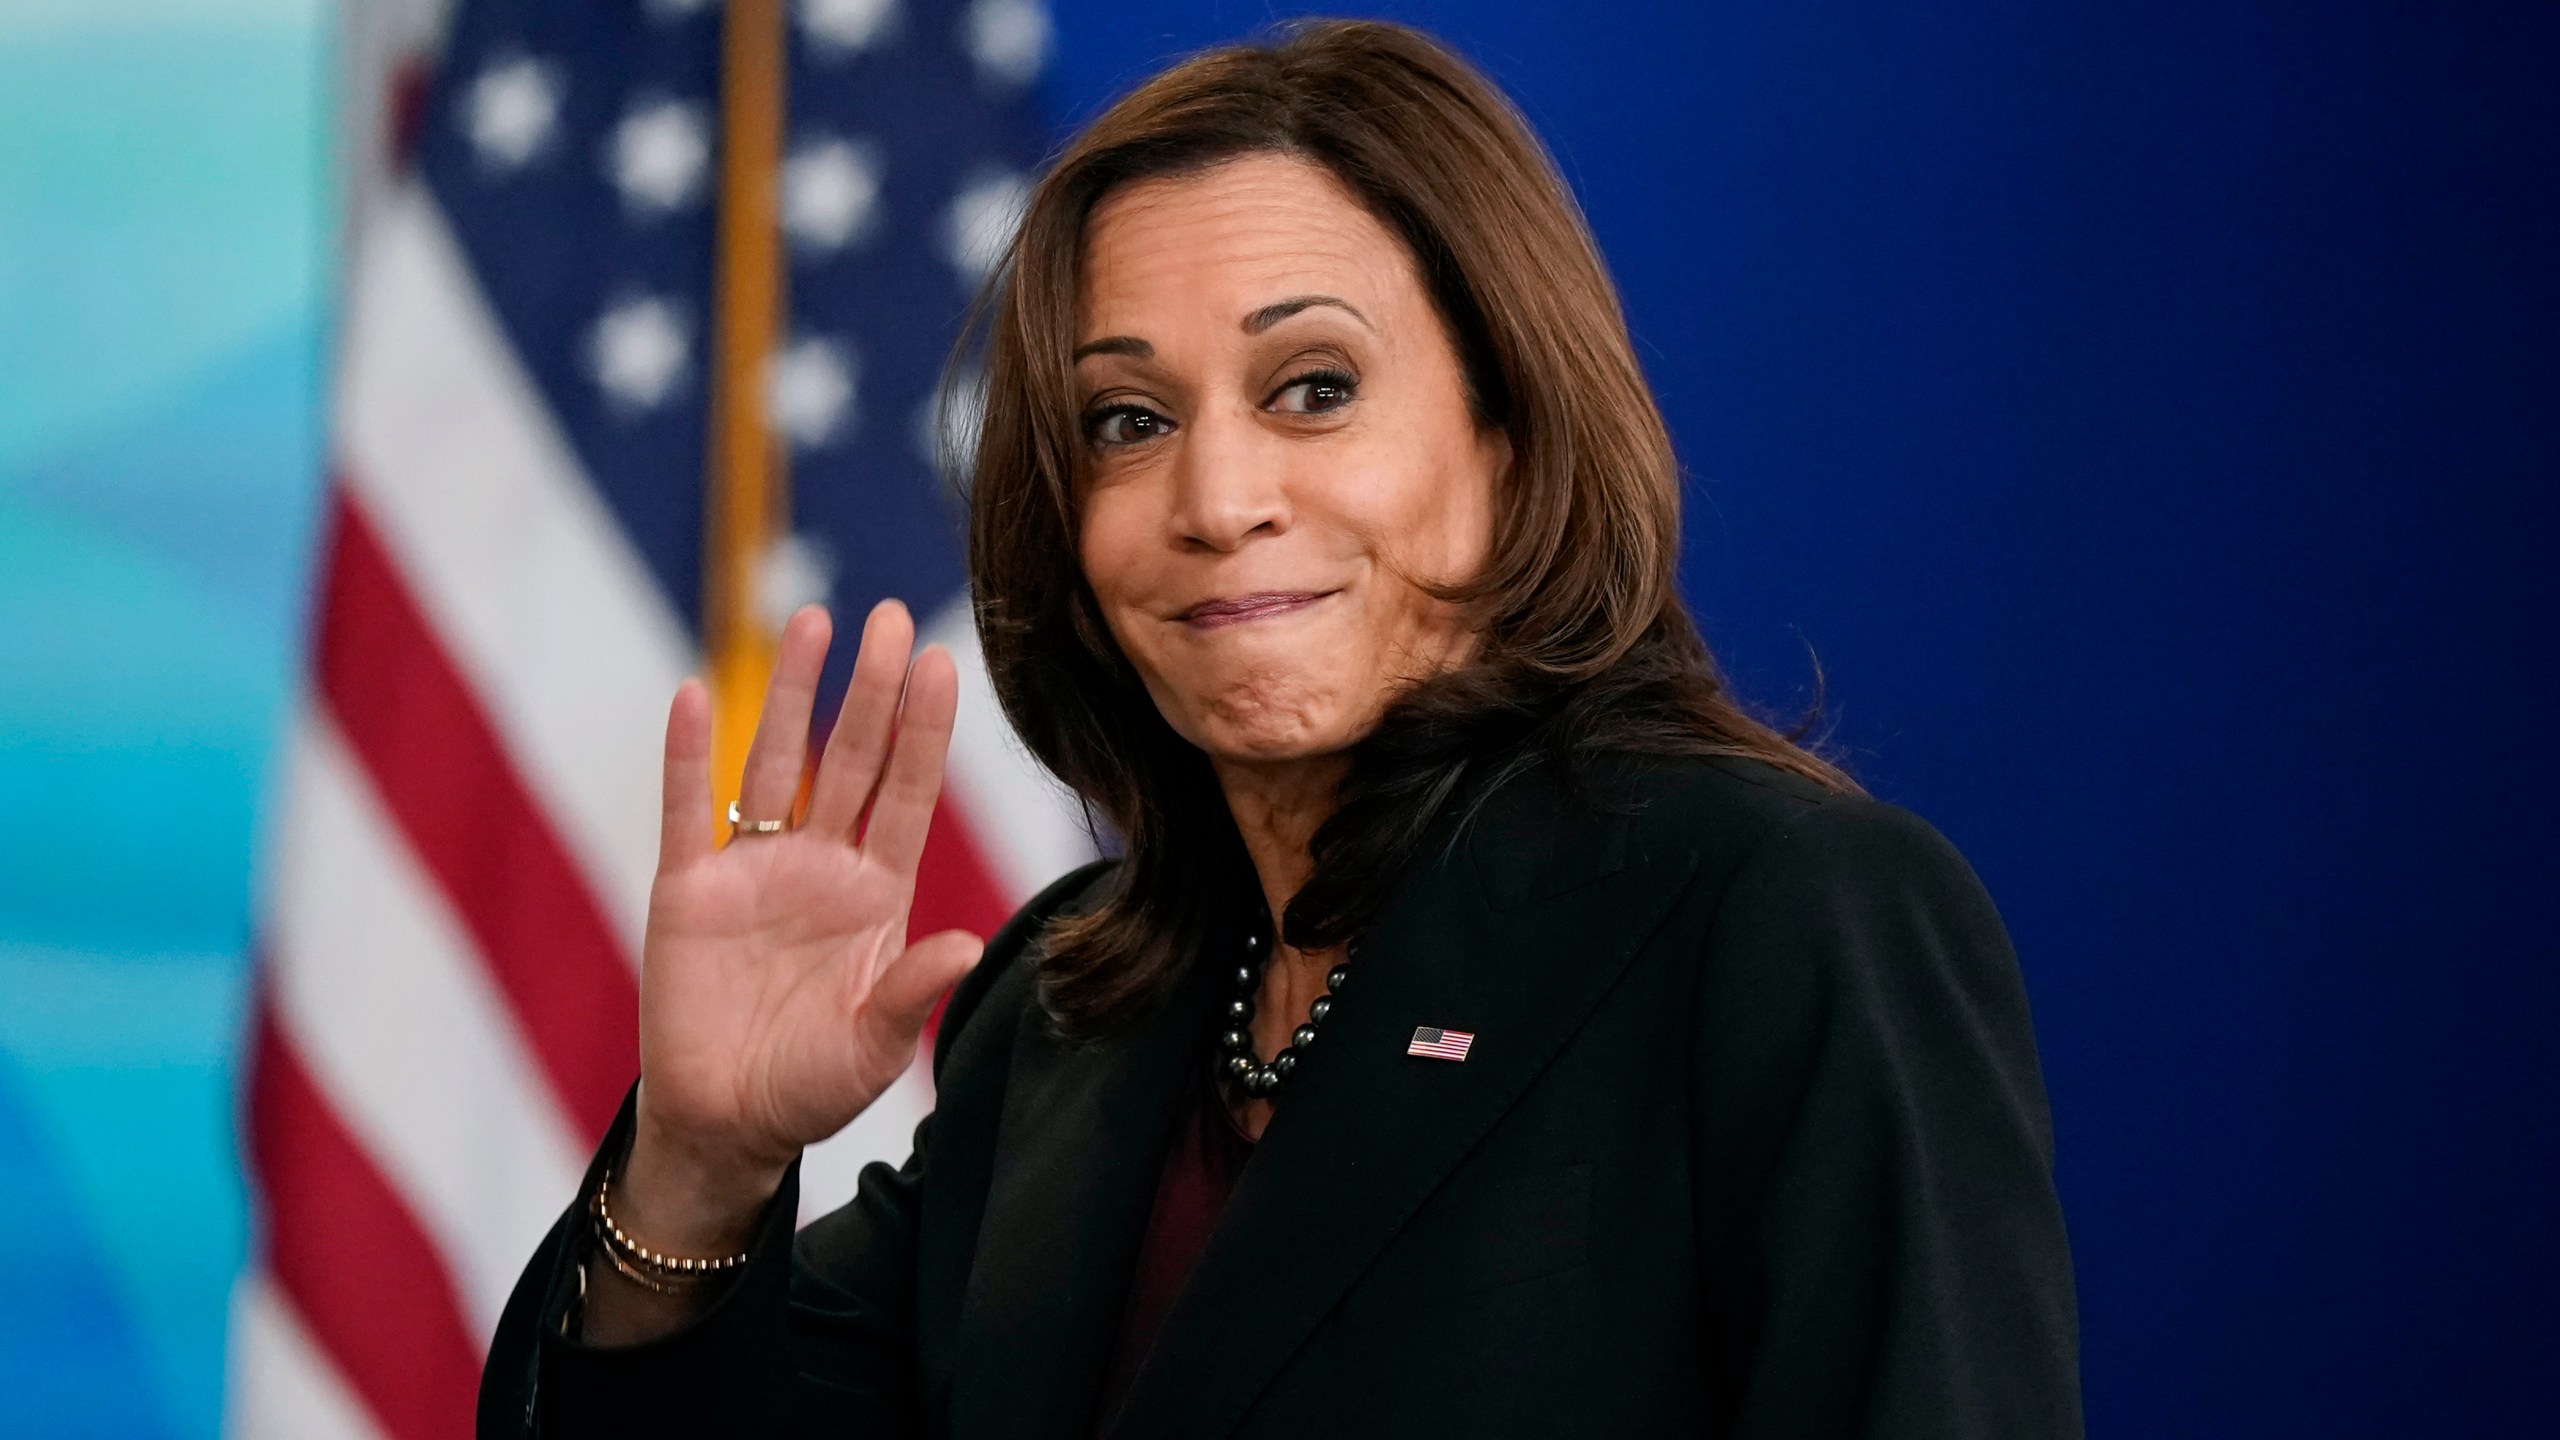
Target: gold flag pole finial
747, 497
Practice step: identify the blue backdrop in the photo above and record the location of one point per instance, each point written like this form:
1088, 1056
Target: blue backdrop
2148, 414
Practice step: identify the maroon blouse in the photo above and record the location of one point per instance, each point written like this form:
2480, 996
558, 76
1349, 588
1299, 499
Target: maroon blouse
1200, 1171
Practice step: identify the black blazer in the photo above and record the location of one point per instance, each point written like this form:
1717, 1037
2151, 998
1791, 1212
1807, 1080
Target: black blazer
1751, 1143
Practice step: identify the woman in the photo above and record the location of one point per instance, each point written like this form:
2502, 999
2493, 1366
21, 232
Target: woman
1489, 1026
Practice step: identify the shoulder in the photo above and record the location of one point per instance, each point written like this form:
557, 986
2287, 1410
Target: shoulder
1750, 815
1725, 814
1738, 850
1001, 985
1765, 852
1804, 899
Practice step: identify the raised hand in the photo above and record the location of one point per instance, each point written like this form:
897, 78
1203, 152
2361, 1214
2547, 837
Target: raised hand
778, 995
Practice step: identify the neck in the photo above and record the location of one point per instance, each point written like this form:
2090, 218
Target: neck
1277, 807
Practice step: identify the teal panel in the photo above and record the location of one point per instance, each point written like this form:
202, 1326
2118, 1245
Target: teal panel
165, 229
69, 1353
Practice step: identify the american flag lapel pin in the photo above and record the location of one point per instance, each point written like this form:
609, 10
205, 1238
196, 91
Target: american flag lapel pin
1433, 1043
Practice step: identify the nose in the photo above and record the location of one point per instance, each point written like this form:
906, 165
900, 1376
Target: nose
1228, 485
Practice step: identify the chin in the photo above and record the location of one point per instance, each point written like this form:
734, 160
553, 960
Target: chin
1269, 720
1268, 738
1263, 749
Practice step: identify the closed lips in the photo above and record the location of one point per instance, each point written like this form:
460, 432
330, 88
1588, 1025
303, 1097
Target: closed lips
1235, 609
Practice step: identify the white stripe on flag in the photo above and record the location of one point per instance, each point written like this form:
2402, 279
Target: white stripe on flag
380, 991
1029, 828
568, 640
280, 1386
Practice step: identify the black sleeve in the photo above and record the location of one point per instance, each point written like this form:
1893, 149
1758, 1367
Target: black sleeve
1884, 1250
742, 1367
788, 1347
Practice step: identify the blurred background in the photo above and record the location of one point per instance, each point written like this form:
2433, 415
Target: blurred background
2148, 415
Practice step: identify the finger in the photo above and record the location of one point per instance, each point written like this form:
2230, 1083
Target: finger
903, 810
851, 767
684, 823
916, 981
774, 758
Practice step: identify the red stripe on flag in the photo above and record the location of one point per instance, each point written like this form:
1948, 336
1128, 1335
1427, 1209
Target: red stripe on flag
412, 720
955, 889
351, 1258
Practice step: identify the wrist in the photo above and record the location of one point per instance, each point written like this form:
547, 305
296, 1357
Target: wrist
686, 1199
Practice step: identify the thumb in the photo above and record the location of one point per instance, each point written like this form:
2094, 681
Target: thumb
907, 991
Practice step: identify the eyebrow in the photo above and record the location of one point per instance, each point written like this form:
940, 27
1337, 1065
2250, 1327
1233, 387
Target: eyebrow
1254, 324
1272, 314
1129, 345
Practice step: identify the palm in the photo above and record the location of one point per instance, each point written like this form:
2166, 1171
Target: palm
778, 994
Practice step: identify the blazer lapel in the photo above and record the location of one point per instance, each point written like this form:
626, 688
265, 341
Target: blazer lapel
1515, 936
1078, 1151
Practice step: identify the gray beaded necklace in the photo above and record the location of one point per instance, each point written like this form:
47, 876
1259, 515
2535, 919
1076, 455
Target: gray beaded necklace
1257, 1078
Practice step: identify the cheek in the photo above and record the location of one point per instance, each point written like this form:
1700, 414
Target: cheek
1119, 563
1464, 522
1433, 520
1103, 547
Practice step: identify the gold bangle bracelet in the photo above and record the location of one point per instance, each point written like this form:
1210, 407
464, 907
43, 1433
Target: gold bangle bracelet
639, 1277
627, 1253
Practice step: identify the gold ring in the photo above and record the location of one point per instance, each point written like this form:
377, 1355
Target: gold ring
754, 827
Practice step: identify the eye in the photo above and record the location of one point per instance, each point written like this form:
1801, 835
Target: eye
1124, 425
1314, 393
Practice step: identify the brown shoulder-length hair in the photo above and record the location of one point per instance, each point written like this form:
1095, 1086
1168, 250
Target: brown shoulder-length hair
1585, 646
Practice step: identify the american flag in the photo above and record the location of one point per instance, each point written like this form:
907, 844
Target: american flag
510, 586
1436, 1044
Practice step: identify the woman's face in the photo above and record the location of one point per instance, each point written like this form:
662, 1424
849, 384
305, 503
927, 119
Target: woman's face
1277, 446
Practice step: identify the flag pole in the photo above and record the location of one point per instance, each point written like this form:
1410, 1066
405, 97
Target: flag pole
747, 497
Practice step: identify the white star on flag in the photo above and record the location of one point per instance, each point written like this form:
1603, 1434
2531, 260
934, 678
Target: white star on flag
830, 194
809, 391
841, 27
639, 350
661, 153
981, 223
511, 111
1008, 38
796, 570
